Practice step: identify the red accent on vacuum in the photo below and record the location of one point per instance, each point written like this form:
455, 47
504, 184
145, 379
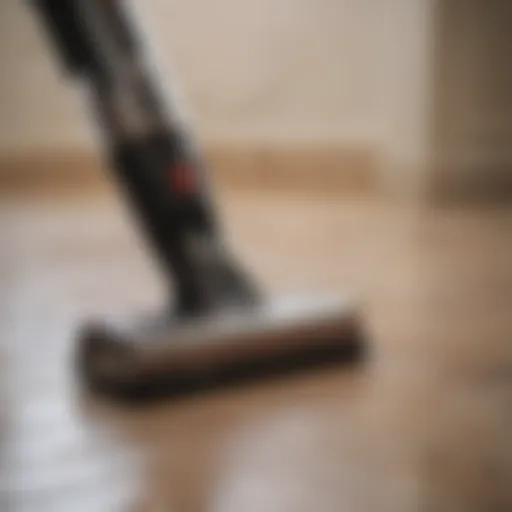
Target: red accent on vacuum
183, 180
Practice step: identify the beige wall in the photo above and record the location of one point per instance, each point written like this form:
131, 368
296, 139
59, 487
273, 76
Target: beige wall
286, 71
405, 31
250, 69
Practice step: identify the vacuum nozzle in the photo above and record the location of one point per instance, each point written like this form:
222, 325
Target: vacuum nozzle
162, 355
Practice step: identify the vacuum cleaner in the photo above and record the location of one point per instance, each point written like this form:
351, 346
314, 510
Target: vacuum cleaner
218, 326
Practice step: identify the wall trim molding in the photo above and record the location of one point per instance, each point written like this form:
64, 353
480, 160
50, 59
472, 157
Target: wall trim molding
333, 169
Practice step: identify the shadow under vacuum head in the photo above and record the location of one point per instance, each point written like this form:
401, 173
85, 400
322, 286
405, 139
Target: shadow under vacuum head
170, 356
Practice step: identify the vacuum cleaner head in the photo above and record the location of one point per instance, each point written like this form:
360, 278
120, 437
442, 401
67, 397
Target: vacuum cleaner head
165, 355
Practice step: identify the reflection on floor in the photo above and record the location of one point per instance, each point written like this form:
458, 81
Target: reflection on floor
425, 425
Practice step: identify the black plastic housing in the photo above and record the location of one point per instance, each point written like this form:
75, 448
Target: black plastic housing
62, 19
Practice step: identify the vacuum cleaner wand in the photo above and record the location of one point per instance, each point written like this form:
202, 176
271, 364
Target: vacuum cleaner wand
150, 151
219, 326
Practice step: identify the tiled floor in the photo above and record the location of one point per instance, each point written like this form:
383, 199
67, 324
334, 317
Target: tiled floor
425, 426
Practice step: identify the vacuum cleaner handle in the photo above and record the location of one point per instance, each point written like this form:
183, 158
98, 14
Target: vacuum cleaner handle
148, 146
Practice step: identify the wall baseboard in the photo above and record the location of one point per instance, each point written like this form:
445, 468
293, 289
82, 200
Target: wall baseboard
316, 169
